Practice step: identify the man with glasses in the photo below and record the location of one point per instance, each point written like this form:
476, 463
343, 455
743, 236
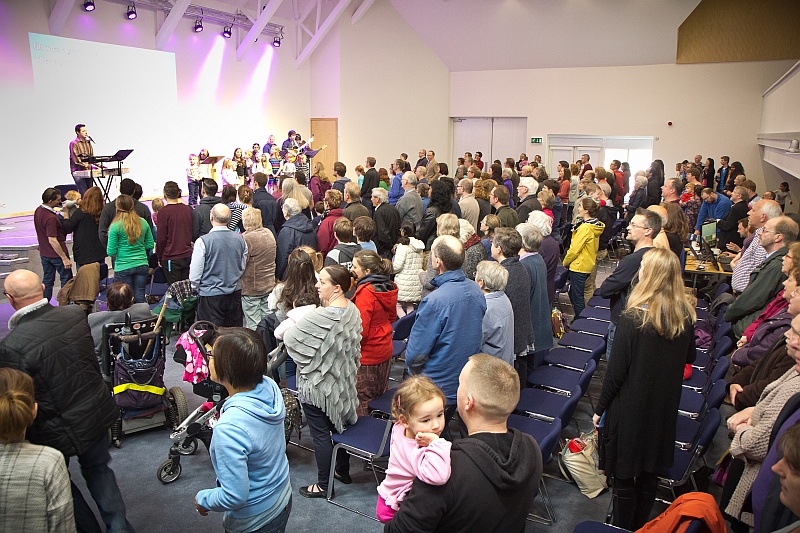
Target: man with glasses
642, 229
766, 280
410, 205
753, 253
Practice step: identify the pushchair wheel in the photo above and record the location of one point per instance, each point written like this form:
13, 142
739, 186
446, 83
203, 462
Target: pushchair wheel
168, 471
178, 408
188, 447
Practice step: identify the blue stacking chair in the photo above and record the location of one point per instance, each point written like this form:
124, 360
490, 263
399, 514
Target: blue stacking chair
546, 405
401, 329
585, 343
703, 356
722, 288
590, 526
599, 301
685, 461
693, 404
590, 327
382, 405
701, 375
546, 435
368, 439
561, 280
569, 358
596, 313
562, 380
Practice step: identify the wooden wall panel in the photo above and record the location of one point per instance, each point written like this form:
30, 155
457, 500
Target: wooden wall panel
740, 30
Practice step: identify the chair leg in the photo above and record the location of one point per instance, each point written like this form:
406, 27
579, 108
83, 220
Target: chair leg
550, 517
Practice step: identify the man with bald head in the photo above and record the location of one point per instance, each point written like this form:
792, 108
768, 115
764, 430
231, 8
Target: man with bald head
218, 261
54, 346
495, 470
448, 328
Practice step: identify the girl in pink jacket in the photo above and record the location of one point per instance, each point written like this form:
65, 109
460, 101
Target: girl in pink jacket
416, 449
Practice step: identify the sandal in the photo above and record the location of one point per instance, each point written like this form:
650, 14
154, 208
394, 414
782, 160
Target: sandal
313, 491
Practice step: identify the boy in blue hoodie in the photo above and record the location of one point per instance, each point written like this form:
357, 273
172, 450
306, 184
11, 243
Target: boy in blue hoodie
249, 447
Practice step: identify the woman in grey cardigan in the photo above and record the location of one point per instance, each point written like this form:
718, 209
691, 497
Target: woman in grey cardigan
326, 345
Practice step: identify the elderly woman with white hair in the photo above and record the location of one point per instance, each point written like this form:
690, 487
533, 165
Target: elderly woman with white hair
638, 197
258, 279
549, 249
498, 321
296, 231
534, 263
474, 250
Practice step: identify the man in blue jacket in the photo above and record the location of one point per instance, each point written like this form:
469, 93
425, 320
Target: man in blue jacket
448, 327
396, 190
714, 206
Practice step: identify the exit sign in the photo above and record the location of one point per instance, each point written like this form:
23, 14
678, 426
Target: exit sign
536, 140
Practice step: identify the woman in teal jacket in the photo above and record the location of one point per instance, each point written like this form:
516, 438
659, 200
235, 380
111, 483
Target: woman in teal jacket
249, 447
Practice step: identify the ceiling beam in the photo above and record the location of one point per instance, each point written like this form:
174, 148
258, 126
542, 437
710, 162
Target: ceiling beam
171, 22
58, 17
362, 10
321, 32
261, 22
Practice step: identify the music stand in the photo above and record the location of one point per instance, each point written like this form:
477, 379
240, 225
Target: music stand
212, 160
118, 157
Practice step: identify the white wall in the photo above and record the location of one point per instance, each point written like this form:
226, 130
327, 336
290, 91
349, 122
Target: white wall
715, 109
394, 91
780, 112
222, 103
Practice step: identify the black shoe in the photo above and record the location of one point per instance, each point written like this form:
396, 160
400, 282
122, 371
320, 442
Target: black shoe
314, 491
343, 478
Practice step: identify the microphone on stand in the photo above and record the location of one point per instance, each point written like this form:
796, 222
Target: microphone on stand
90, 138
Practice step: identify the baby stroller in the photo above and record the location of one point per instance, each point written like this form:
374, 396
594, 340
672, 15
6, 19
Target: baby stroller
133, 360
199, 424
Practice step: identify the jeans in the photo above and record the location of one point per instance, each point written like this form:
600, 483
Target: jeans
277, 524
103, 486
577, 281
136, 277
51, 265
194, 192
254, 309
321, 427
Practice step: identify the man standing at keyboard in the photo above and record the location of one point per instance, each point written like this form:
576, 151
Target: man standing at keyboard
80, 146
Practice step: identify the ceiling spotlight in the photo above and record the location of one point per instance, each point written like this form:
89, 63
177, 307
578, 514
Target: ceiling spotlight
198, 25
227, 32
276, 42
88, 5
131, 14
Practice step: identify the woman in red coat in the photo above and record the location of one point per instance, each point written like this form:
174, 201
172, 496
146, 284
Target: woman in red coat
376, 299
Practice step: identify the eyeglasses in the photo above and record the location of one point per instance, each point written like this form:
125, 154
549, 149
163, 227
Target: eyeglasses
638, 226
765, 230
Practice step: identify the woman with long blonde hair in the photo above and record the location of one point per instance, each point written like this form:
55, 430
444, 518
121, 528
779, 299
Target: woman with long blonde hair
291, 189
319, 183
129, 241
642, 387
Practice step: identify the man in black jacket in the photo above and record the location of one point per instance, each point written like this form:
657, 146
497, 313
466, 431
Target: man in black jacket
371, 180
728, 227
264, 201
495, 470
54, 346
201, 223
642, 229
387, 222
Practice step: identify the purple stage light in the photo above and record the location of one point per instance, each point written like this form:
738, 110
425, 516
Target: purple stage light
227, 32
88, 5
131, 14
198, 25
276, 42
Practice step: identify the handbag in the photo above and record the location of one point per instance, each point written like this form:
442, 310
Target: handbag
721, 473
557, 322
578, 462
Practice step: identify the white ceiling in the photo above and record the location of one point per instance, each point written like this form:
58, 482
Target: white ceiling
520, 34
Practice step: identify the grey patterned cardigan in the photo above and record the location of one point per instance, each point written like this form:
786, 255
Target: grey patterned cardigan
326, 345
751, 443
